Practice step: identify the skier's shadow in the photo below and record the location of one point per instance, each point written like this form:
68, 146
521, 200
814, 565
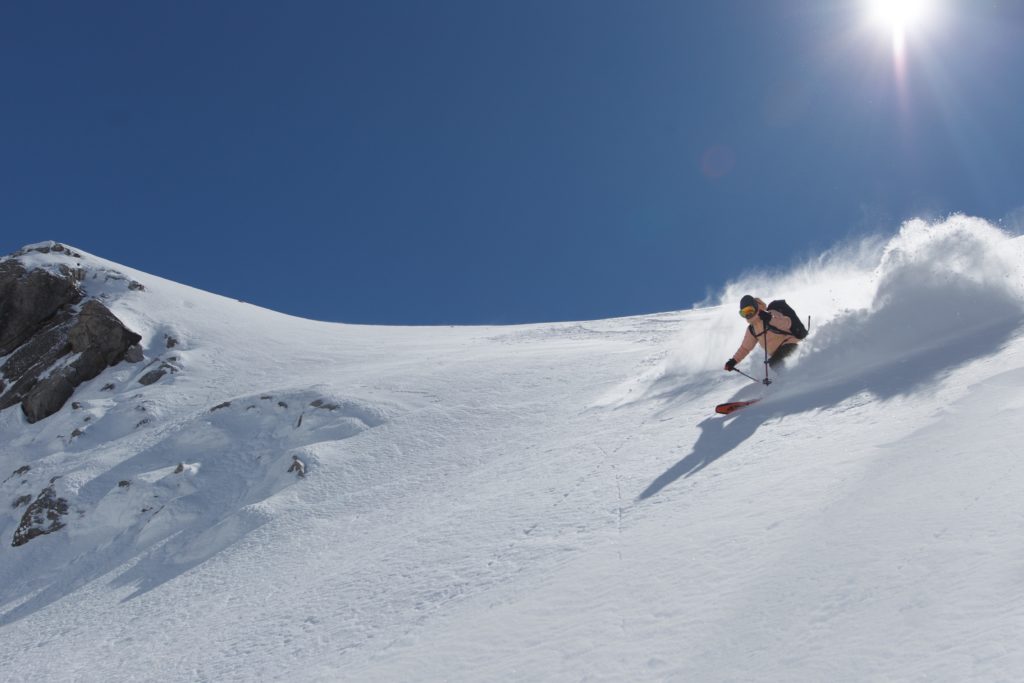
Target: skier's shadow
718, 436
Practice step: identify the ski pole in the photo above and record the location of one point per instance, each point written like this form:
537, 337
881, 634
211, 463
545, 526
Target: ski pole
752, 379
766, 381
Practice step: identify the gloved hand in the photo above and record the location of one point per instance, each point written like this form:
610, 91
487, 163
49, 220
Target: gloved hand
730, 365
765, 317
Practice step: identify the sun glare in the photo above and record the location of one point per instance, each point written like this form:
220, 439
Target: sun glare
905, 21
899, 15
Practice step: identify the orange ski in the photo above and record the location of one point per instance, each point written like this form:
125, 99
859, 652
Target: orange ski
727, 408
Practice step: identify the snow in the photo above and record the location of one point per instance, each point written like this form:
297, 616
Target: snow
541, 502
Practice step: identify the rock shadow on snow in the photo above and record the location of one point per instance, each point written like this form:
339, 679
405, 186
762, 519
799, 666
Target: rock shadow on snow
188, 549
155, 516
923, 326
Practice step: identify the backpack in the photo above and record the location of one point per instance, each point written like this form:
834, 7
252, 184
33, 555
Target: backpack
796, 327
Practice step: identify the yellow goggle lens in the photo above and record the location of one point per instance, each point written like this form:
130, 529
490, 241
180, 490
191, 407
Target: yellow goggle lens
748, 311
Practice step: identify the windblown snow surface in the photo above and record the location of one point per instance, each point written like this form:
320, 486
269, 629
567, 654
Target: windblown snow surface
542, 502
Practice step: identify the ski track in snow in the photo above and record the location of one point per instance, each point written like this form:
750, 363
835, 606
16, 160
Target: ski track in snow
541, 502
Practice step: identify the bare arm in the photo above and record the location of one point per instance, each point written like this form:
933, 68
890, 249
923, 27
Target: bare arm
749, 342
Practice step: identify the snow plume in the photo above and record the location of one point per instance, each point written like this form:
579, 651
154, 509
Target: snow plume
943, 295
879, 301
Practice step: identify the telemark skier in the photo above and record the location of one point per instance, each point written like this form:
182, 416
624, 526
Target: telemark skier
769, 328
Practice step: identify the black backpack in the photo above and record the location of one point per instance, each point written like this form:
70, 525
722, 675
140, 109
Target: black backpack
796, 327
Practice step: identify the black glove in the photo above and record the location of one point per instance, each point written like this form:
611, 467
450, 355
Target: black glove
765, 317
730, 365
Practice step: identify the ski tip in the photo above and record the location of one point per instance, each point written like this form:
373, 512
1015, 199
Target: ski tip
728, 408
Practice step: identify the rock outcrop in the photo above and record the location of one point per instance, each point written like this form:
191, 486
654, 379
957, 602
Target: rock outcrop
30, 298
44, 516
50, 340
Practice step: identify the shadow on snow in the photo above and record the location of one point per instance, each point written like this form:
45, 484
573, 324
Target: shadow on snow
188, 514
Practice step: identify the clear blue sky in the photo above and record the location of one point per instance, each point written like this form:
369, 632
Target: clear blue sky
476, 161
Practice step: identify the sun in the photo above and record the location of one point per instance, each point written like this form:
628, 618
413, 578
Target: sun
899, 15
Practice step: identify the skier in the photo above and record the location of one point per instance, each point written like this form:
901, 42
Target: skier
770, 329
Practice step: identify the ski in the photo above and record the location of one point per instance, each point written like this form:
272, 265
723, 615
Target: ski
728, 408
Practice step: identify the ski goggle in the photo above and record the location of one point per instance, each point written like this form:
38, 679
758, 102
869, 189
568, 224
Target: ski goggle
748, 311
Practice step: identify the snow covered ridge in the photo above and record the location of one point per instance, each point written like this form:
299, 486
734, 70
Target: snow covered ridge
170, 449
540, 502
57, 333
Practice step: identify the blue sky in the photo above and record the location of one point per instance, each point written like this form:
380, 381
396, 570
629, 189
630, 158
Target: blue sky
495, 162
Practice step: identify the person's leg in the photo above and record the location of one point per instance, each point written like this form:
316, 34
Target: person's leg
781, 354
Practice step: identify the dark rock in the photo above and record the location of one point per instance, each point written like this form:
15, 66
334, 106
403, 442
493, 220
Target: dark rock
101, 336
40, 326
33, 358
180, 468
76, 433
20, 472
21, 501
100, 340
153, 376
43, 516
171, 341
55, 247
76, 405
136, 286
47, 397
134, 354
28, 299
109, 387
124, 483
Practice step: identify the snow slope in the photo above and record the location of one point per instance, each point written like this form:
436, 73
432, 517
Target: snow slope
542, 502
